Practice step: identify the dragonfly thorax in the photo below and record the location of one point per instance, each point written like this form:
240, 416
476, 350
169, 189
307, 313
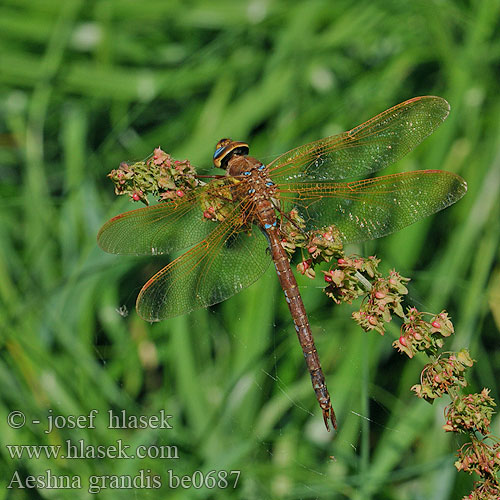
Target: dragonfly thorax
253, 185
251, 175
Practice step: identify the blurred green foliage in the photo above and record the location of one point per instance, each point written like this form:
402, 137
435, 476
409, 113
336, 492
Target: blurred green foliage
86, 85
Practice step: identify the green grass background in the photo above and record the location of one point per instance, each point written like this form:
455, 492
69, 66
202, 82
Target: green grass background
85, 85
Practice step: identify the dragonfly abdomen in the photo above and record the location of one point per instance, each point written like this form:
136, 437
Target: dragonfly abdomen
302, 327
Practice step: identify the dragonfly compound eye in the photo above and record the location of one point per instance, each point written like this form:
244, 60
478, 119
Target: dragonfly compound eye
226, 148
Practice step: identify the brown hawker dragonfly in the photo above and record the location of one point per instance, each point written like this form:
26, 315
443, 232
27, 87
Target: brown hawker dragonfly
230, 251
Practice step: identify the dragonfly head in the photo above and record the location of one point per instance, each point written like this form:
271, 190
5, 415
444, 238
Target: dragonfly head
226, 149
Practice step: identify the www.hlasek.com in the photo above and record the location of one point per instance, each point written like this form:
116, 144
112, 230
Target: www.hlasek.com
80, 449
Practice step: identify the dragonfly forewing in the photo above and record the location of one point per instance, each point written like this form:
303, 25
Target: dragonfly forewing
166, 227
366, 148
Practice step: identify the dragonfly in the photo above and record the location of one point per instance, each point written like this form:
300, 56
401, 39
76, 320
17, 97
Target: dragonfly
327, 182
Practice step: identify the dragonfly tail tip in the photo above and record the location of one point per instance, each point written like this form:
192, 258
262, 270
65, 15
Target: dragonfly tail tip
329, 414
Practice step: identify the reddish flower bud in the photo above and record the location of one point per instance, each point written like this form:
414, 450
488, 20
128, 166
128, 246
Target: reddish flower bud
379, 294
312, 249
372, 320
136, 197
179, 193
328, 278
402, 341
435, 324
341, 261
